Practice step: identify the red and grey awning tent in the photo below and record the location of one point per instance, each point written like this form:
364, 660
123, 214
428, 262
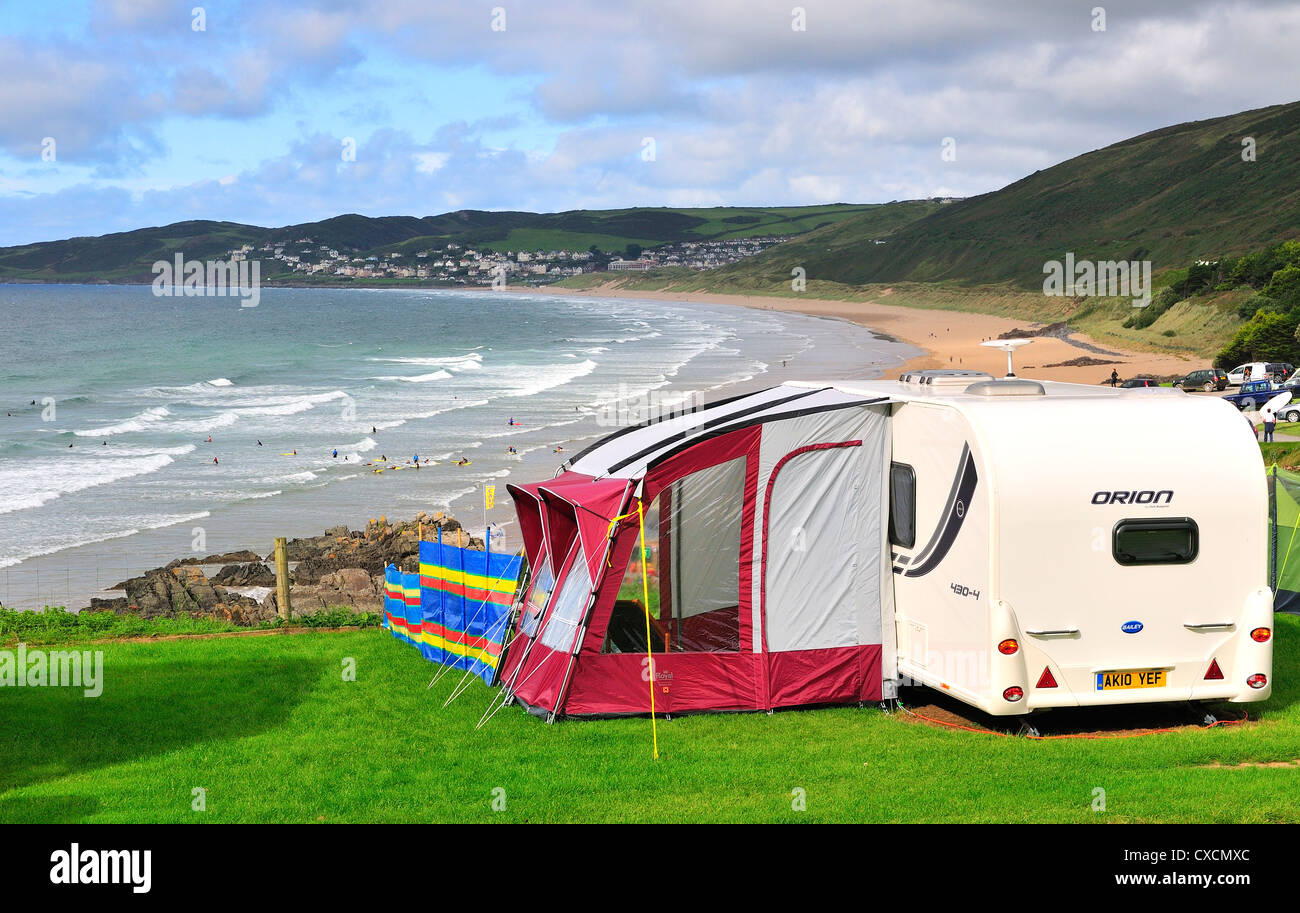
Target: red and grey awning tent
765, 568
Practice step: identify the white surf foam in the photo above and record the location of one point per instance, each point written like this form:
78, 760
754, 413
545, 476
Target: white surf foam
27, 485
141, 421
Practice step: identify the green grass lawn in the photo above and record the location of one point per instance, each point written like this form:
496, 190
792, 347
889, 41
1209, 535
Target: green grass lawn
268, 727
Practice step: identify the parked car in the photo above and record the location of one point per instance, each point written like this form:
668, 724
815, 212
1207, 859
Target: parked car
1253, 394
1260, 370
1207, 379
1139, 382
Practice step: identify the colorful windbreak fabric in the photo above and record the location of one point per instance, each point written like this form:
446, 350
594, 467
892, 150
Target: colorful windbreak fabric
395, 604
465, 599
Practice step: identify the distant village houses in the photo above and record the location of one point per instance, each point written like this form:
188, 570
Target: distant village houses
456, 264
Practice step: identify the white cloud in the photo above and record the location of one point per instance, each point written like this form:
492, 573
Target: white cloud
743, 109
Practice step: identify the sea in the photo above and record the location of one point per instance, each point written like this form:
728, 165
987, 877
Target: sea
136, 429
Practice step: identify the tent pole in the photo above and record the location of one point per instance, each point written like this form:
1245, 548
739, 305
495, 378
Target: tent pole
573, 657
586, 620
537, 635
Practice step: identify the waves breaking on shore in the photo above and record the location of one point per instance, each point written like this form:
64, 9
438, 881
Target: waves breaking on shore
236, 421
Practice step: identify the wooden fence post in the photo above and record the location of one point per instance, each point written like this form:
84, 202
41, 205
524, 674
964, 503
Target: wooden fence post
282, 579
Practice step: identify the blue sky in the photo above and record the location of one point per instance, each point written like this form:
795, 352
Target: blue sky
549, 105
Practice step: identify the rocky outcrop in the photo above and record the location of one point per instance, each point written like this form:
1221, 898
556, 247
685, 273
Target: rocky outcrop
239, 557
251, 574
344, 568
350, 588
186, 590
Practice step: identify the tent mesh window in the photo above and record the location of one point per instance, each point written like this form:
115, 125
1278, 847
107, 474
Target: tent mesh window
539, 591
692, 564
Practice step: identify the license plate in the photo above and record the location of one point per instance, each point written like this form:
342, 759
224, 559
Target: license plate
1131, 678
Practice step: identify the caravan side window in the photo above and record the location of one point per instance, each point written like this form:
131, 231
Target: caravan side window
1163, 540
902, 505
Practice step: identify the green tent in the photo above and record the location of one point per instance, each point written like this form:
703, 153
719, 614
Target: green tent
1284, 563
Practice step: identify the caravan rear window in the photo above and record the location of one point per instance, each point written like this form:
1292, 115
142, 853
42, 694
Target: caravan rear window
1165, 540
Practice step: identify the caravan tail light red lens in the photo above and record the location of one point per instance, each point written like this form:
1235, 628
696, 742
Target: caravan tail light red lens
1261, 635
1008, 646
1014, 694
1258, 680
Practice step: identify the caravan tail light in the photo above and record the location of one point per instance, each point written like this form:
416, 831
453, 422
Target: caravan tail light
1008, 646
1261, 635
1258, 680
1014, 694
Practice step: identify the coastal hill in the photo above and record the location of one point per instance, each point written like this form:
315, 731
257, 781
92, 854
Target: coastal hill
1170, 196
129, 256
1219, 231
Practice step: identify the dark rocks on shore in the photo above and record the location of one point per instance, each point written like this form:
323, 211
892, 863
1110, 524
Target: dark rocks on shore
251, 574
240, 557
184, 590
343, 568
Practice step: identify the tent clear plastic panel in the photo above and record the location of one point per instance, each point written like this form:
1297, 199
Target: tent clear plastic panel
569, 605
538, 593
692, 563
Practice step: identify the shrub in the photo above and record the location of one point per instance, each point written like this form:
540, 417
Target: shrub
1268, 336
1141, 318
1254, 304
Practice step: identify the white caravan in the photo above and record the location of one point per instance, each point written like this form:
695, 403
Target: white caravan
1018, 545
1052, 547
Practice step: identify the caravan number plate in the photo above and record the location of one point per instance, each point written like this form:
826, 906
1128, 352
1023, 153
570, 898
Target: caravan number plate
1131, 678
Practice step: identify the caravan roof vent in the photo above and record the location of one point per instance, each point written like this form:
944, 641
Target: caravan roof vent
944, 378
1006, 388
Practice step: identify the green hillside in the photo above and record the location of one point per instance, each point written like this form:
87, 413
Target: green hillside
129, 256
1170, 196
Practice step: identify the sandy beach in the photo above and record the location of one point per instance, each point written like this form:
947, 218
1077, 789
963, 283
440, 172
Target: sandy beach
951, 338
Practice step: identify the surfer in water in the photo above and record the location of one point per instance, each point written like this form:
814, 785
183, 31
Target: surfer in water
416, 460
209, 440
214, 462
336, 453
462, 462
259, 443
